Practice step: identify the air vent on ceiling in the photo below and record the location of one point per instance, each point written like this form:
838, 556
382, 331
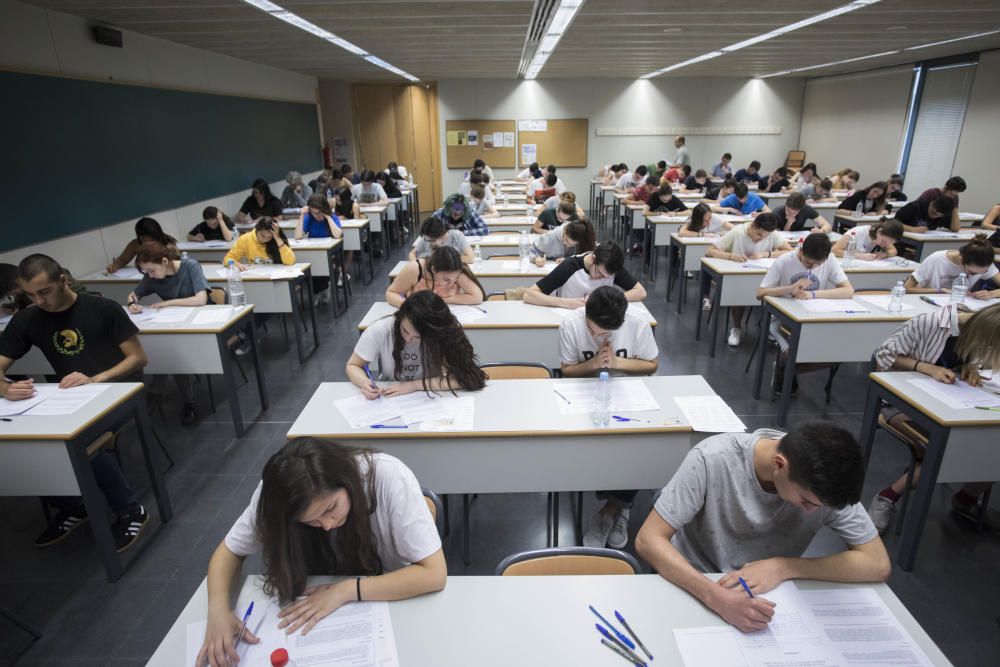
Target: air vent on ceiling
541, 16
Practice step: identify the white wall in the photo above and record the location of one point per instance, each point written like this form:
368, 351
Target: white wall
623, 103
48, 42
976, 160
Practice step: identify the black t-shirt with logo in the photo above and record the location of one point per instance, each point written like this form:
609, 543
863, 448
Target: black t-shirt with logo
84, 338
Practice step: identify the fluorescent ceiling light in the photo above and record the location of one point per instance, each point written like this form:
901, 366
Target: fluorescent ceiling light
836, 62
283, 14
564, 15
777, 32
949, 41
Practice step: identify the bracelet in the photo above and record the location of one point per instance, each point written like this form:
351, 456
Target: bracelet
358, 583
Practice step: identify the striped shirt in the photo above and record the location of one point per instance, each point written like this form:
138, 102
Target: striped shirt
922, 339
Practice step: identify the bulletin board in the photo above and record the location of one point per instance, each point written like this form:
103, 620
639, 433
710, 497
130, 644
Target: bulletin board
563, 143
462, 155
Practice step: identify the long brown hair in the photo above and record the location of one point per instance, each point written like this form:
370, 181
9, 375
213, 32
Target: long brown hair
582, 232
444, 347
273, 251
448, 259
979, 340
299, 473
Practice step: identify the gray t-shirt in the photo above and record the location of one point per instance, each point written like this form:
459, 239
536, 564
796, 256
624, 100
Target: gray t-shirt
375, 347
188, 281
682, 156
454, 239
550, 244
724, 519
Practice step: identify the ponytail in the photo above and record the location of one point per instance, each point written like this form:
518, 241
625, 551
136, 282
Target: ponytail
582, 232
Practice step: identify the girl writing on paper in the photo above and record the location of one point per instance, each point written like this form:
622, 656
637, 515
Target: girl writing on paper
267, 245
443, 273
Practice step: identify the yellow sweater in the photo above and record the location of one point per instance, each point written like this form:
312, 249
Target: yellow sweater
248, 250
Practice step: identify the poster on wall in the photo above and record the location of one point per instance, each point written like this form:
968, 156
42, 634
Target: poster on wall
532, 126
508, 139
488, 141
456, 138
473, 137
529, 153
339, 145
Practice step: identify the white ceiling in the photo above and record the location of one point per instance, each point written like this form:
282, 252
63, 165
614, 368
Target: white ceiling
449, 39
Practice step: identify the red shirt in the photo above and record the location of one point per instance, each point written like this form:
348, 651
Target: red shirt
641, 193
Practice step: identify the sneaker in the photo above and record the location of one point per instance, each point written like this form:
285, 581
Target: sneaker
734, 337
128, 527
971, 512
598, 530
881, 511
324, 296
243, 349
188, 414
706, 304
64, 523
779, 381
618, 536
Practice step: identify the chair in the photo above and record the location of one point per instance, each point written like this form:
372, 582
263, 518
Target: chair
506, 257
496, 296
434, 505
567, 561
795, 160
517, 370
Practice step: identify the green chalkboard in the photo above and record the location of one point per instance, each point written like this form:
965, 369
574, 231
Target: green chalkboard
80, 155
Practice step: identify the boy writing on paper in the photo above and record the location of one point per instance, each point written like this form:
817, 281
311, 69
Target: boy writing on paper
570, 283
603, 336
749, 504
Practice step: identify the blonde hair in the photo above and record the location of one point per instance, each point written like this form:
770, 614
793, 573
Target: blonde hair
979, 340
568, 196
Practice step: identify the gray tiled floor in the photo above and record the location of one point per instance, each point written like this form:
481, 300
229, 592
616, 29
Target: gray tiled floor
86, 621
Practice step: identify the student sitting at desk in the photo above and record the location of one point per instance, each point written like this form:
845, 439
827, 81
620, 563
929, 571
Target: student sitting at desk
550, 218
807, 273
261, 203
338, 180
804, 180
348, 174
990, 219
714, 193
603, 336
822, 192
266, 245
368, 191
871, 199
722, 168
486, 169
741, 202
146, 229
530, 173
657, 169
751, 240
214, 226
321, 186
565, 240
422, 347
480, 202
443, 273
344, 205
796, 215
952, 188
543, 188
86, 339
617, 171
749, 175
664, 201
945, 345
178, 282
388, 185
324, 508
553, 202
676, 175
703, 223
640, 194
777, 181
456, 212
921, 215
296, 193
475, 178
748, 505
845, 179
937, 272
317, 221
894, 188
697, 182
628, 181
435, 233
569, 284
872, 242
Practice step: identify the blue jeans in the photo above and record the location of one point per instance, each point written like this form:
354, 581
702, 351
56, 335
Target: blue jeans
110, 480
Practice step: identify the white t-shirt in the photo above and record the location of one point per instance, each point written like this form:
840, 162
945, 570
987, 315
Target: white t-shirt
466, 189
375, 347
453, 238
863, 238
551, 202
788, 269
540, 184
524, 174
368, 194
632, 340
939, 272
627, 182
550, 244
403, 526
737, 240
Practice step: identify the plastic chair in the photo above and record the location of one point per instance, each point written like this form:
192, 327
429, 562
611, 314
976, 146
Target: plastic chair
517, 370
434, 505
496, 296
568, 561
795, 160
506, 257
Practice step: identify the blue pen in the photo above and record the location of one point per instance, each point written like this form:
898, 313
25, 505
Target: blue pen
625, 640
617, 642
621, 619
388, 426
370, 378
246, 617
619, 418
745, 587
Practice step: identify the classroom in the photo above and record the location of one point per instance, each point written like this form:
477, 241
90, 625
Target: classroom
573, 332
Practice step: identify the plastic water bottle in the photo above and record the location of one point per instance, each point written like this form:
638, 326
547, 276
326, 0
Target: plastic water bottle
852, 248
409, 179
184, 256
602, 401
859, 211
896, 300
237, 297
958, 289
477, 253
524, 250
236, 233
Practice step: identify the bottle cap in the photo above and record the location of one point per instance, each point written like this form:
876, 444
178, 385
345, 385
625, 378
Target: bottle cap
279, 658
604, 375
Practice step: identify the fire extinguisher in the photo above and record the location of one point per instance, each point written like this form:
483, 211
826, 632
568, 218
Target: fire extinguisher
327, 156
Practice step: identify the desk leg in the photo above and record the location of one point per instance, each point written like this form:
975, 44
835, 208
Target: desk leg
789, 379
920, 500
765, 322
312, 308
706, 282
227, 374
96, 506
367, 238
145, 431
297, 315
258, 368
681, 280
339, 251
716, 315
672, 253
869, 421
331, 264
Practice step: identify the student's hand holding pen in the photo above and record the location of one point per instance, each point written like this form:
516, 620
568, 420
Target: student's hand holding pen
371, 391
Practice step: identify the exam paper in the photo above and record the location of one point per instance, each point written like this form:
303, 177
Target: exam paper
168, 315
627, 395
217, 244
126, 272
306, 243
66, 401
833, 306
760, 263
207, 316
958, 396
11, 408
147, 315
467, 314
639, 309
361, 412
881, 301
709, 414
461, 417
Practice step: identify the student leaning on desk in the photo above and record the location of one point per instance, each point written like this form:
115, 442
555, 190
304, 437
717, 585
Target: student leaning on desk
318, 221
146, 229
569, 284
443, 273
568, 238
266, 245
86, 339
748, 505
938, 272
214, 226
703, 224
435, 233
323, 508
872, 242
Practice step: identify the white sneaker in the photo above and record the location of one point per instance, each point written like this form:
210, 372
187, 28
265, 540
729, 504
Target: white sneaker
881, 511
618, 536
324, 296
597, 530
734, 337
706, 304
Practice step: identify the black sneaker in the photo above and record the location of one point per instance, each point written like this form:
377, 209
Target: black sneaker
126, 530
64, 523
188, 414
243, 349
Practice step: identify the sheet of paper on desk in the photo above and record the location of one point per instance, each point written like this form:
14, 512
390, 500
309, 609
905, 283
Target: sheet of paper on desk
305, 243
958, 396
462, 417
834, 306
419, 406
361, 412
887, 262
213, 315
11, 408
467, 314
170, 314
760, 263
563, 313
709, 414
66, 401
216, 244
126, 272
881, 301
639, 309
941, 232
627, 395
146, 315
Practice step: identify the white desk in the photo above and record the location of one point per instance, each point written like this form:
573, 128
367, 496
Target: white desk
925, 245
511, 330
357, 235
498, 275
522, 444
42, 456
684, 257
515, 223
827, 337
499, 244
962, 446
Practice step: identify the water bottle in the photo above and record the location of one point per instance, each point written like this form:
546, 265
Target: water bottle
896, 300
859, 211
237, 296
504, 198
602, 401
184, 256
852, 248
958, 289
236, 233
477, 253
409, 179
279, 658
524, 250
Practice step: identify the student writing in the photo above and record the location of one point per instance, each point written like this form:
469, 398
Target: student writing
570, 283
796, 215
456, 212
296, 193
567, 239
938, 271
551, 218
266, 245
442, 273
318, 221
872, 200
146, 229
435, 233
261, 203
214, 226
704, 223
741, 202
872, 242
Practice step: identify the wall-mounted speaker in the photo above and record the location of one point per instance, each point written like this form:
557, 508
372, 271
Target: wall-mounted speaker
108, 36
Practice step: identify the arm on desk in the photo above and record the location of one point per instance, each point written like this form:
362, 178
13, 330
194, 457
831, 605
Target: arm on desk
396, 293
822, 225
990, 221
637, 293
219, 648
913, 287
843, 290
14, 391
537, 297
199, 299
134, 361
989, 294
